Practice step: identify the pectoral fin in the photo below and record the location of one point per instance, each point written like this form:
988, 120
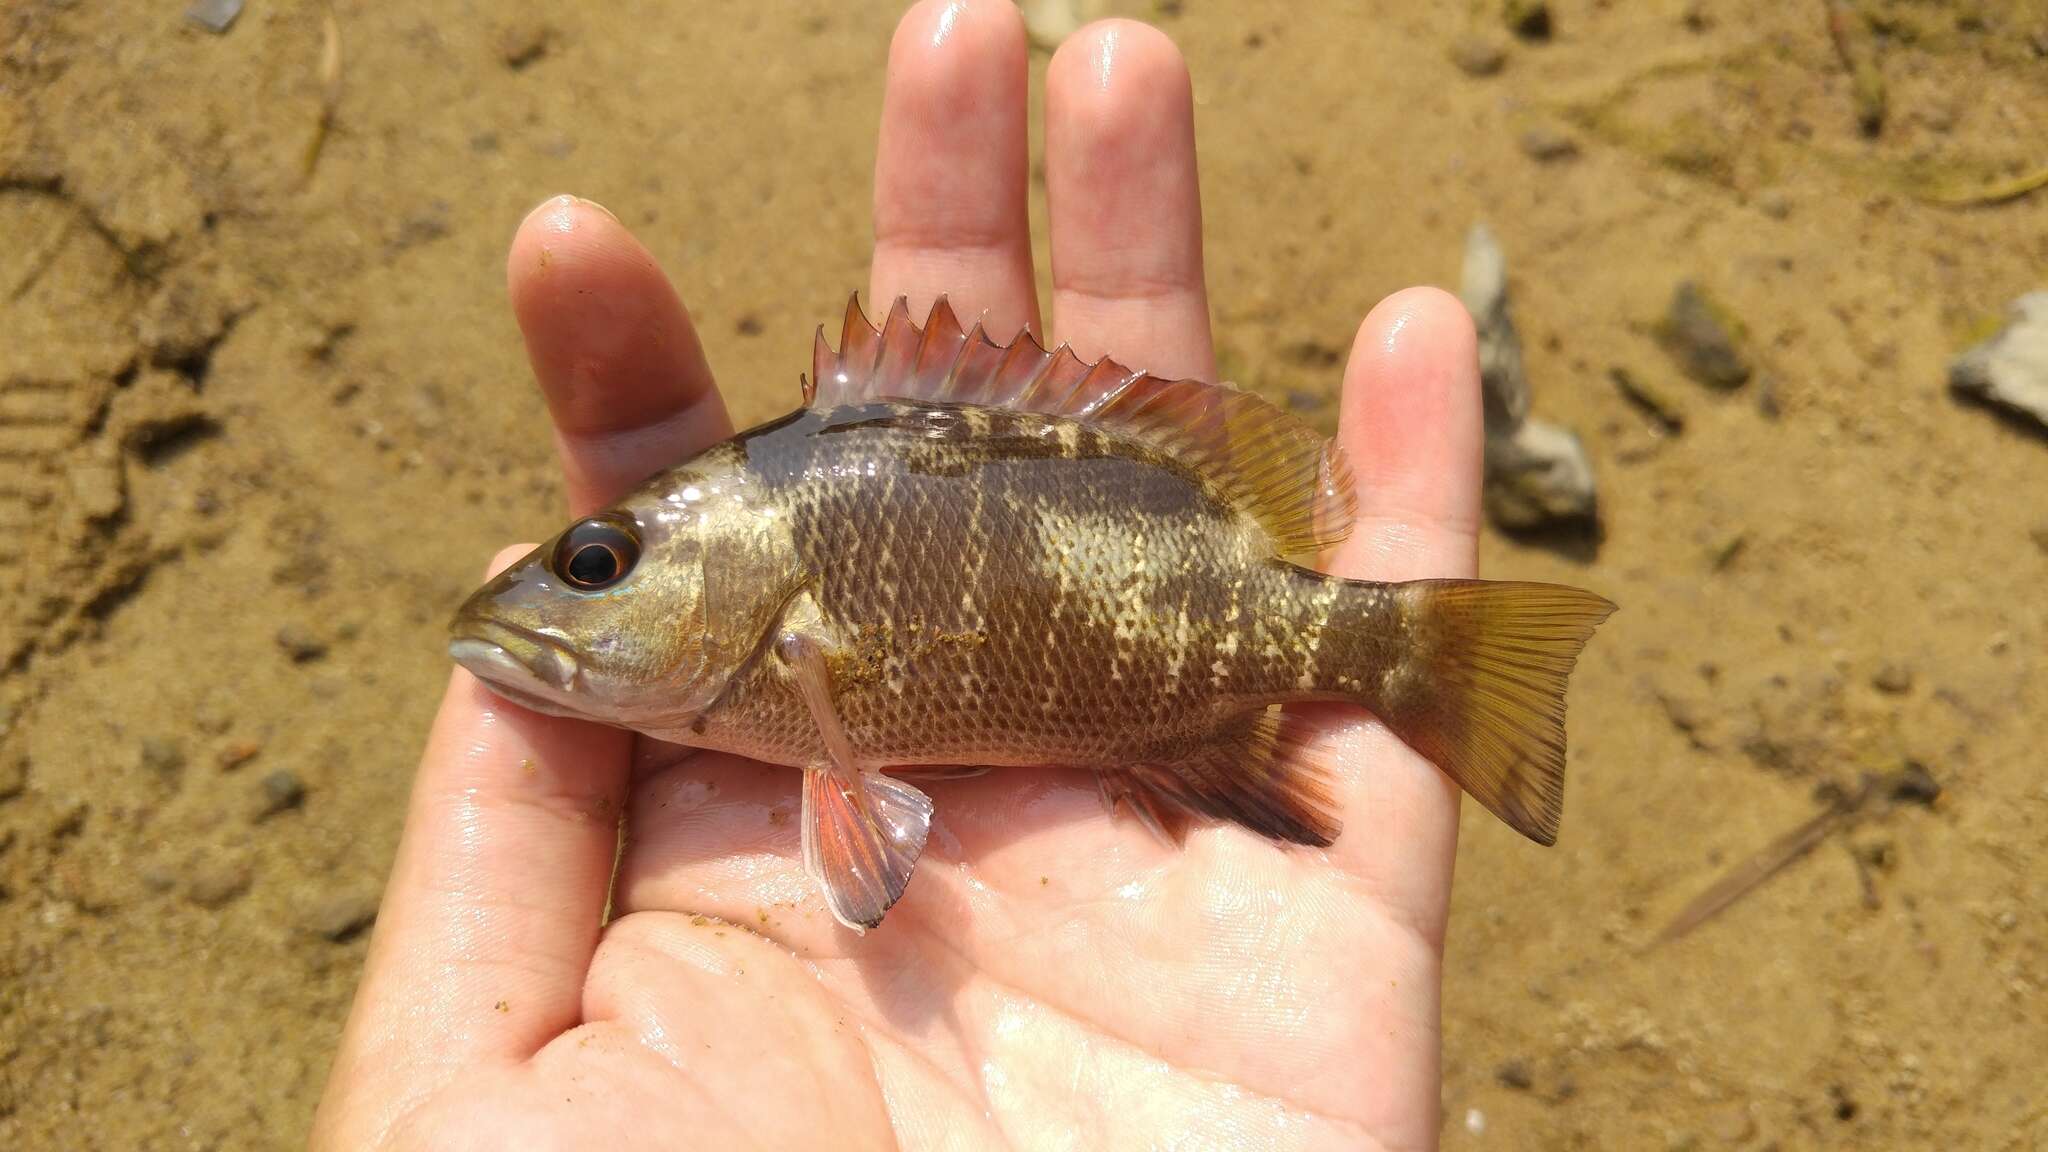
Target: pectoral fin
862, 831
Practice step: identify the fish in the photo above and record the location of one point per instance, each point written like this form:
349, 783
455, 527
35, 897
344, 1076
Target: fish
959, 554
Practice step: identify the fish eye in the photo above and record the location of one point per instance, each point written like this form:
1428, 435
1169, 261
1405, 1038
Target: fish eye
596, 553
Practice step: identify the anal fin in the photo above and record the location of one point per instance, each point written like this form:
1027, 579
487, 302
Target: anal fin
1261, 773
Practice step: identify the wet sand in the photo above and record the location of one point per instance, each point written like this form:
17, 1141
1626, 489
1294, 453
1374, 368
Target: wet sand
259, 430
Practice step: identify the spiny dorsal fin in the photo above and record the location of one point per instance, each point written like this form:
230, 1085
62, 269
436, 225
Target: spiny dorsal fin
1258, 457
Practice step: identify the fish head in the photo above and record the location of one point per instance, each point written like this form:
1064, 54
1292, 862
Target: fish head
604, 622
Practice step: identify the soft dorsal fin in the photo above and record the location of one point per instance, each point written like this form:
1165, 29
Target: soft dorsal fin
1257, 456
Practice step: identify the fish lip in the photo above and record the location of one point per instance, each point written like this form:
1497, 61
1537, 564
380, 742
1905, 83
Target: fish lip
508, 656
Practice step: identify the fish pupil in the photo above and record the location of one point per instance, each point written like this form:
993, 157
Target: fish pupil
593, 564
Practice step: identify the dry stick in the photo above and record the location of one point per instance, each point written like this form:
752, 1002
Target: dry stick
1997, 193
1908, 784
330, 89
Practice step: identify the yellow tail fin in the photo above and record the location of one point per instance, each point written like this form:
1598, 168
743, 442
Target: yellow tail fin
1486, 704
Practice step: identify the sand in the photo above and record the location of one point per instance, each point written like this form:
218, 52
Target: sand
259, 430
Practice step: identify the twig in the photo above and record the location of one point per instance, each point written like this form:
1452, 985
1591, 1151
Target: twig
1908, 785
1997, 193
330, 89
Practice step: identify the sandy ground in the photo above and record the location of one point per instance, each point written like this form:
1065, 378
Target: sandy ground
259, 430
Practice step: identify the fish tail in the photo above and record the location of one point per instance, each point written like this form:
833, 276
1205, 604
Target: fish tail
1478, 685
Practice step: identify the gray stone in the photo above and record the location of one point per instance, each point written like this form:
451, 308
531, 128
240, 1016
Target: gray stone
162, 756
300, 644
282, 790
341, 917
2010, 370
1547, 143
217, 883
1478, 55
1537, 474
1483, 286
1702, 339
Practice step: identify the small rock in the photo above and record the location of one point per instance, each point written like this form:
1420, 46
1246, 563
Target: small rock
97, 490
216, 883
340, 918
282, 790
1529, 19
1893, 680
1773, 202
1702, 339
235, 755
1916, 785
1539, 476
2010, 370
162, 756
748, 325
1483, 286
520, 45
1478, 55
1047, 23
216, 16
300, 644
1514, 1074
1547, 143
1767, 404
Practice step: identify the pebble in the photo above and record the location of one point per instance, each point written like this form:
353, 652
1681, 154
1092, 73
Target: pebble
1547, 143
217, 883
1483, 286
97, 491
300, 644
1537, 474
1893, 680
2010, 370
342, 917
162, 756
1529, 19
1697, 335
281, 791
1478, 55
159, 877
522, 44
235, 755
1916, 785
1773, 202
1514, 1074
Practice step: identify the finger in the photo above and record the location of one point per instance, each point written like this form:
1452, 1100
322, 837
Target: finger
1410, 422
493, 907
612, 347
1126, 213
951, 168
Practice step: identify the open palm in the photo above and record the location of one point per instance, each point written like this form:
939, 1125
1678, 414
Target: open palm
1052, 978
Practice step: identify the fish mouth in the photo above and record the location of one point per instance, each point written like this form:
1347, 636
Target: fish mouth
517, 663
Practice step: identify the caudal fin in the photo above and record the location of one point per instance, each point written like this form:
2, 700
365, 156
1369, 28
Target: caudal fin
1485, 700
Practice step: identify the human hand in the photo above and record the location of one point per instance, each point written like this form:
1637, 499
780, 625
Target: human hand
1051, 975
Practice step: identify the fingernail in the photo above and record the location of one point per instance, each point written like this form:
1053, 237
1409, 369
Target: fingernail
601, 208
